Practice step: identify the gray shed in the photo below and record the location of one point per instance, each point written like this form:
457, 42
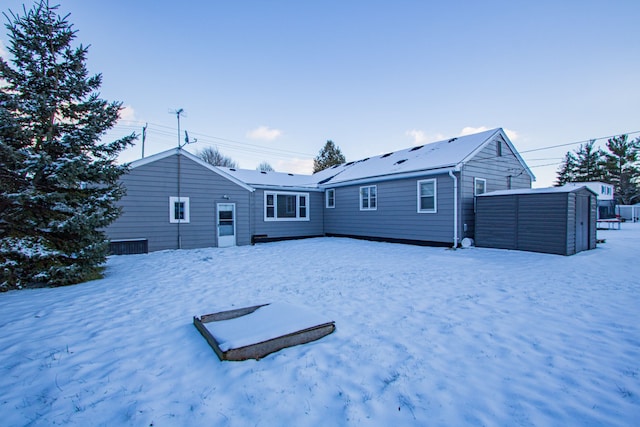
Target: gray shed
556, 220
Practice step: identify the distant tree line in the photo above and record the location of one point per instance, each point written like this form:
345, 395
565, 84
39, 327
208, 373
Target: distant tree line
618, 165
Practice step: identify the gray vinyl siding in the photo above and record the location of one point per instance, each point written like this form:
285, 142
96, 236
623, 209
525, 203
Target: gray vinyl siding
396, 216
543, 222
487, 164
146, 205
288, 229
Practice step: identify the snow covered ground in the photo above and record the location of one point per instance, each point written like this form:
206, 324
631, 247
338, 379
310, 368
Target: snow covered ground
425, 336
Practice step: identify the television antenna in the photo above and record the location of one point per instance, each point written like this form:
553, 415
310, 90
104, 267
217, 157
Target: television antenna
178, 112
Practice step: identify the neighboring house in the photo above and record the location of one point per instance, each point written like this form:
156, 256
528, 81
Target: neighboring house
606, 199
424, 194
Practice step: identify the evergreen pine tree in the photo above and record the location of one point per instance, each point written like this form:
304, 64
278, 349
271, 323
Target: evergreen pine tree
622, 168
329, 155
589, 163
58, 182
566, 173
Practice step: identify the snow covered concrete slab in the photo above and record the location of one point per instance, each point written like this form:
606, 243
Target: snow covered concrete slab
254, 332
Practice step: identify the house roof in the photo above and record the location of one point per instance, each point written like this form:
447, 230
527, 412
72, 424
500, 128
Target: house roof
434, 157
260, 179
198, 160
546, 190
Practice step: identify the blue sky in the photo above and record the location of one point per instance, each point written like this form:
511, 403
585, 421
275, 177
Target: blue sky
274, 80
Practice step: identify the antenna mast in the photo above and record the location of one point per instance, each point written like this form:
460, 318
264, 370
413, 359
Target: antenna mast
177, 113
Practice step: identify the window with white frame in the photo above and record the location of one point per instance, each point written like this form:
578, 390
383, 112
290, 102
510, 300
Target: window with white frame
279, 206
368, 198
330, 198
427, 196
479, 186
179, 210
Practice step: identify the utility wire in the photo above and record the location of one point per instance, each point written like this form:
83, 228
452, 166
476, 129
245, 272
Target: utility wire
578, 142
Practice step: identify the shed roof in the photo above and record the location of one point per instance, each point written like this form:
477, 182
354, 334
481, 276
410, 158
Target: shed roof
546, 190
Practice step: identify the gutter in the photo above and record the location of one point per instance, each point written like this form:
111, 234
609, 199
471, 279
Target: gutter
455, 207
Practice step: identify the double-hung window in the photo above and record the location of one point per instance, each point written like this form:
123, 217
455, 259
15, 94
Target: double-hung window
427, 196
280, 206
179, 210
479, 187
330, 198
368, 198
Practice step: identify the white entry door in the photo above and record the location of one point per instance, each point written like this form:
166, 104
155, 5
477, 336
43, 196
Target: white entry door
226, 224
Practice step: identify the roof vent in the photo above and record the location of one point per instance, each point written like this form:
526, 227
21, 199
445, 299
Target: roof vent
417, 148
263, 172
232, 169
326, 180
400, 161
290, 174
452, 139
386, 155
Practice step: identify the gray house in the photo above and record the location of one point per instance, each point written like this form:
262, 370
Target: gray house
176, 200
424, 194
556, 220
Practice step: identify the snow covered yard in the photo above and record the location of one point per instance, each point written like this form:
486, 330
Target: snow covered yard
425, 336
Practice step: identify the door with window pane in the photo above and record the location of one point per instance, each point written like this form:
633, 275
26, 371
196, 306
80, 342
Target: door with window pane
226, 224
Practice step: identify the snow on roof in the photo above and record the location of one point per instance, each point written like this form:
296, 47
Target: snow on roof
434, 156
546, 190
271, 179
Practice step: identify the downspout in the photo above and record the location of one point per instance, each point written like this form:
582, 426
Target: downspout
455, 208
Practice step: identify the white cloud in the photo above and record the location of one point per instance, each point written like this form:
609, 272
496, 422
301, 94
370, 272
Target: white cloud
264, 133
469, 130
512, 134
127, 113
419, 137
299, 166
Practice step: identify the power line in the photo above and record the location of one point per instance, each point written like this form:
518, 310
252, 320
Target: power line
578, 142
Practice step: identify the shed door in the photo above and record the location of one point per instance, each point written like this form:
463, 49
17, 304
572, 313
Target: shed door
582, 223
226, 224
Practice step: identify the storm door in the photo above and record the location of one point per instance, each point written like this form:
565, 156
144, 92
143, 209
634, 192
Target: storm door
226, 224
